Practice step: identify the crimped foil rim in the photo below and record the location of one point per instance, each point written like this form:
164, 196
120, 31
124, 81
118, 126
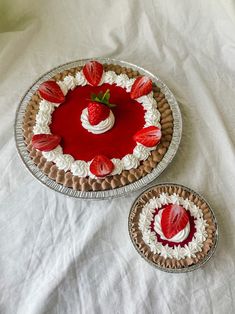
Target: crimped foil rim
183, 269
121, 191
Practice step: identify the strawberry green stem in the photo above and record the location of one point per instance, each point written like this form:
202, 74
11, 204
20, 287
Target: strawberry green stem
103, 98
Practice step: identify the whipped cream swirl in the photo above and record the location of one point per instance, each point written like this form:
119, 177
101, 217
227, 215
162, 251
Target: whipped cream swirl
130, 161
46, 107
141, 152
80, 79
109, 77
70, 82
122, 80
64, 162
151, 117
53, 154
99, 128
147, 101
41, 129
43, 118
118, 166
80, 168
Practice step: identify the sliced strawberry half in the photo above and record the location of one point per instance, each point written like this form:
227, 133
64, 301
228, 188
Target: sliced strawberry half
142, 86
149, 136
51, 91
93, 72
174, 219
101, 166
45, 142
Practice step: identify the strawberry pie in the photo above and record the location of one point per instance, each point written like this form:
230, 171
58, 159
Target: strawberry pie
98, 127
173, 228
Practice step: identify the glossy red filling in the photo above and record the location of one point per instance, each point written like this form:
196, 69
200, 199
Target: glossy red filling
81, 144
170, 243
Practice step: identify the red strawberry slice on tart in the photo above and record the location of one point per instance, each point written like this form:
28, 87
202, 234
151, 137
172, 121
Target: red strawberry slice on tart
45, 142
101, 166
174, 219
142, 86
148, 136
93, 72
51, 91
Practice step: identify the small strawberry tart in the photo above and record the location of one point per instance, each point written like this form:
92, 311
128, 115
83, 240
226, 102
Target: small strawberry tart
98, 127
173, 228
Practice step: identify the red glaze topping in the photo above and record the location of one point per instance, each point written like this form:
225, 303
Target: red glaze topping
83, 145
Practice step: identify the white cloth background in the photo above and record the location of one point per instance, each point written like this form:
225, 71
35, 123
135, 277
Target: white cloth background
62, 255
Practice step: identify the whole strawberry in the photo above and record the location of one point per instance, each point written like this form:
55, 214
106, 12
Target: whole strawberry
97, 112
99, 107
